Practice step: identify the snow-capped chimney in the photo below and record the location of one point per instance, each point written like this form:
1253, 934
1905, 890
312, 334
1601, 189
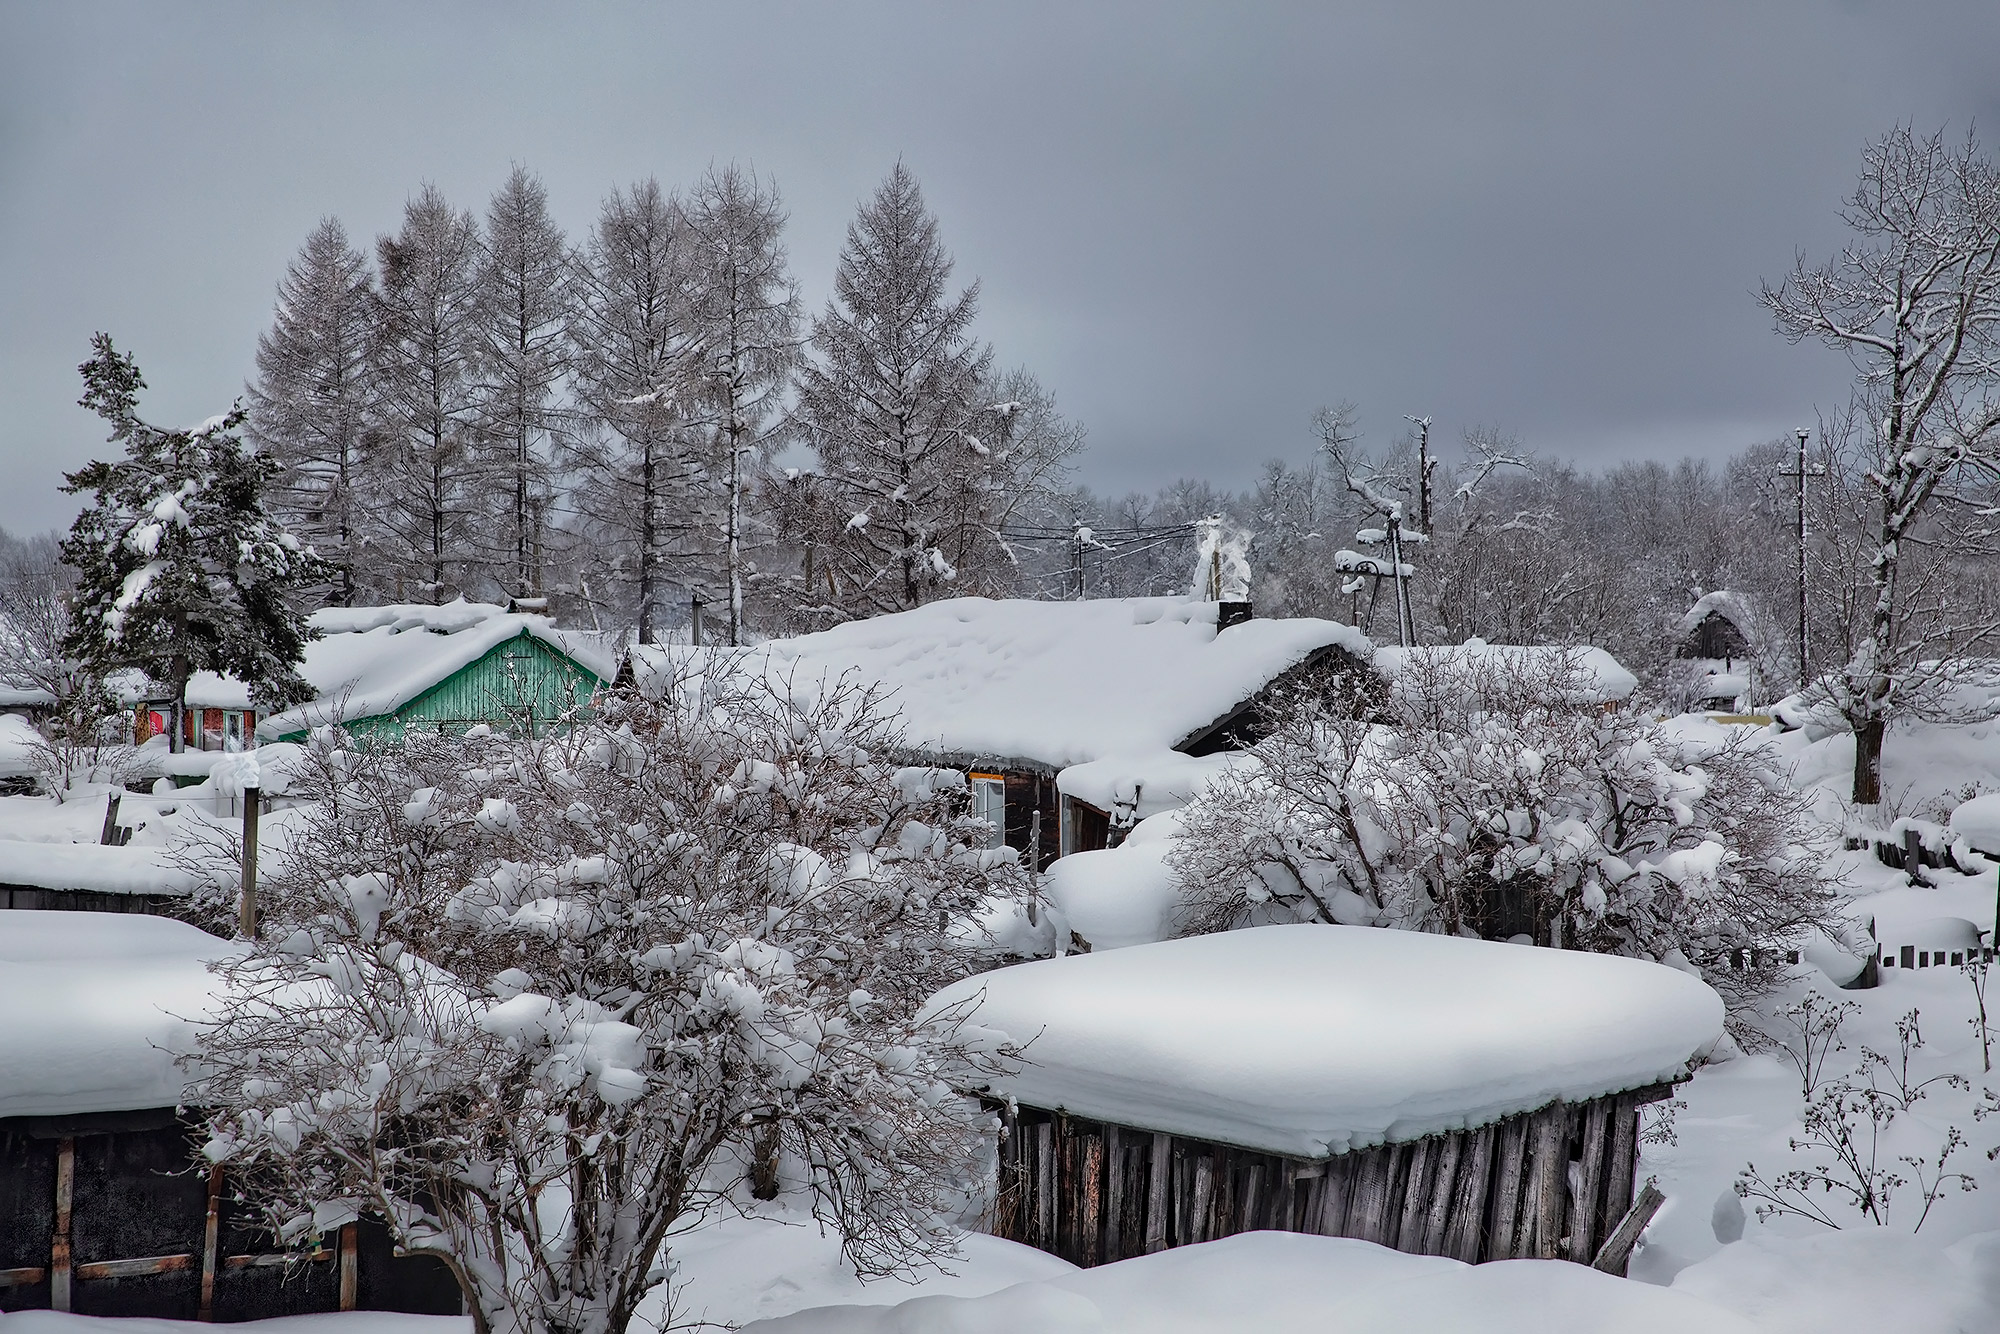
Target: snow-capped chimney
1231, 613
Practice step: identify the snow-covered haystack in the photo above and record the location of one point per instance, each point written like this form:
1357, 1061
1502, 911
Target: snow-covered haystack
97, 1007
1313, 1040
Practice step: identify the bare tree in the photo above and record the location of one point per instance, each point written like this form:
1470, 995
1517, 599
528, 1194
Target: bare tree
526, 292
1914, 300
748, 307
618, 968
427, 360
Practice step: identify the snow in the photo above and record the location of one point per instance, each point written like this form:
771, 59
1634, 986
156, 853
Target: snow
1051, 683
1127, 895
1732, 606
1310, 1040
94, 867
1978, 822
97, 1006
1862, 1280
1605, 680
1138, 786
1288, 1283
18, 739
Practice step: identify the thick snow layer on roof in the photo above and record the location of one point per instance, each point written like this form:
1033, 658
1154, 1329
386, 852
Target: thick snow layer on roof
95, 867
98, 1005
365, 673
1606, 679
1731, 605
18, 740
1060, 683
1138, 786
1127, 895
1978, 822
1310, 1040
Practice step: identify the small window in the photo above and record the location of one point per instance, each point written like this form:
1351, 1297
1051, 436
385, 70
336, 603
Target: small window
1957, 958
989, 803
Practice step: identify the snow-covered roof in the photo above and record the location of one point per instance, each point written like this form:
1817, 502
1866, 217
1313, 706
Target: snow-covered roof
98, 1005
379, 653
25, 697
1731, 606
1309, 1040
1054, 683
1604, 678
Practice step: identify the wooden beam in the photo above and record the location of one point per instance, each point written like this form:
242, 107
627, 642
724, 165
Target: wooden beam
1465, 1234
1444, 1177
1616, 1252
1045, 1185
1624, 1166
151, 1264
350, 1266
1408, 1234
210, 1234
1092, 1246
1551, 1179
23, 1278
1583, 1210
1157, 1195
1510, 1183
1114, 1194
59, 1242
1203, 1201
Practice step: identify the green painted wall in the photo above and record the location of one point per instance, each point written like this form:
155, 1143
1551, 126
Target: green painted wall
522, 676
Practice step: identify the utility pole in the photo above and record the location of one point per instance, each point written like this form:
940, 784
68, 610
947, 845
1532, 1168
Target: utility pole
1805, 646
1078, 536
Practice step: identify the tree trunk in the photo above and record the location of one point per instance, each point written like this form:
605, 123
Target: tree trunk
1868, 761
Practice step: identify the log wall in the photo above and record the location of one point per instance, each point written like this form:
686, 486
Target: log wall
108, 1215
1548, 1184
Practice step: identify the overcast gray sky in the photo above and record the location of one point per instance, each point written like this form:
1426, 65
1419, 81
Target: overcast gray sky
1196, 223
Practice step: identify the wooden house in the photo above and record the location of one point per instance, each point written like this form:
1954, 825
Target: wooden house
1053, 709
1716, 628
106, 1208
1390, 1086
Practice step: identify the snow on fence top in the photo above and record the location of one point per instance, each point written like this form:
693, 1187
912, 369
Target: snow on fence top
1055, 683
1313, 1040
93, 867
1603, 678
98, 1005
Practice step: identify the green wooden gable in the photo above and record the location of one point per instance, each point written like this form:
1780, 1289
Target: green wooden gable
517, 678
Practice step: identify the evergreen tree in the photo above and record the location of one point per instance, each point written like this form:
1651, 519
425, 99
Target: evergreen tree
639, 372
525, 299
427, 359
309, 404
746, 306
180, 567
890, 402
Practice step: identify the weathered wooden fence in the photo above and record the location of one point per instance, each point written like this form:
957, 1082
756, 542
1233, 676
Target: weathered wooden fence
1552, 1184
106, 1215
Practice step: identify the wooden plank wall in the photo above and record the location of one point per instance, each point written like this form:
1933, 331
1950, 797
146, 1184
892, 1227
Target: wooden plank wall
1549, 1184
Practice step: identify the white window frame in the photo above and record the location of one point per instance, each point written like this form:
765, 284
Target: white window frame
989, 803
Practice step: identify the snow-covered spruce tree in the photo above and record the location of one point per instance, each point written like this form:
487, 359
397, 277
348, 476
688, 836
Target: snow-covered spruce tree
540, 1005
1914, 300
179, 566
1488, 795
526, 290
642, 477
309, 404
889, 400
747, 309
428, 421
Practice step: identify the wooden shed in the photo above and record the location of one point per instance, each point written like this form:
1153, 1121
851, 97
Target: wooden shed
1015, 692
1434, 1094
107, 1208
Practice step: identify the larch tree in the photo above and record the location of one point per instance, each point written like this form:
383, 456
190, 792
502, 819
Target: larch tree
747, 307
640, 360
427, 357
526, 289
1914, 300
890, 401
310, 402
180, 568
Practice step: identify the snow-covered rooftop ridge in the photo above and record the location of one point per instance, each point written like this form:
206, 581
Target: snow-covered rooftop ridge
98, 1005
1310, 1040
365, 673
95, 867
1733, 606
1054, 683
1604, 677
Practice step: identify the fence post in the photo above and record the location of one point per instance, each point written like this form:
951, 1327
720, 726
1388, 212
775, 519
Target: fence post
246, 912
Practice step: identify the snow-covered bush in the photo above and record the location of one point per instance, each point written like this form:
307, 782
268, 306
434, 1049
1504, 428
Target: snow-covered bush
541, 1005
1488, 796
